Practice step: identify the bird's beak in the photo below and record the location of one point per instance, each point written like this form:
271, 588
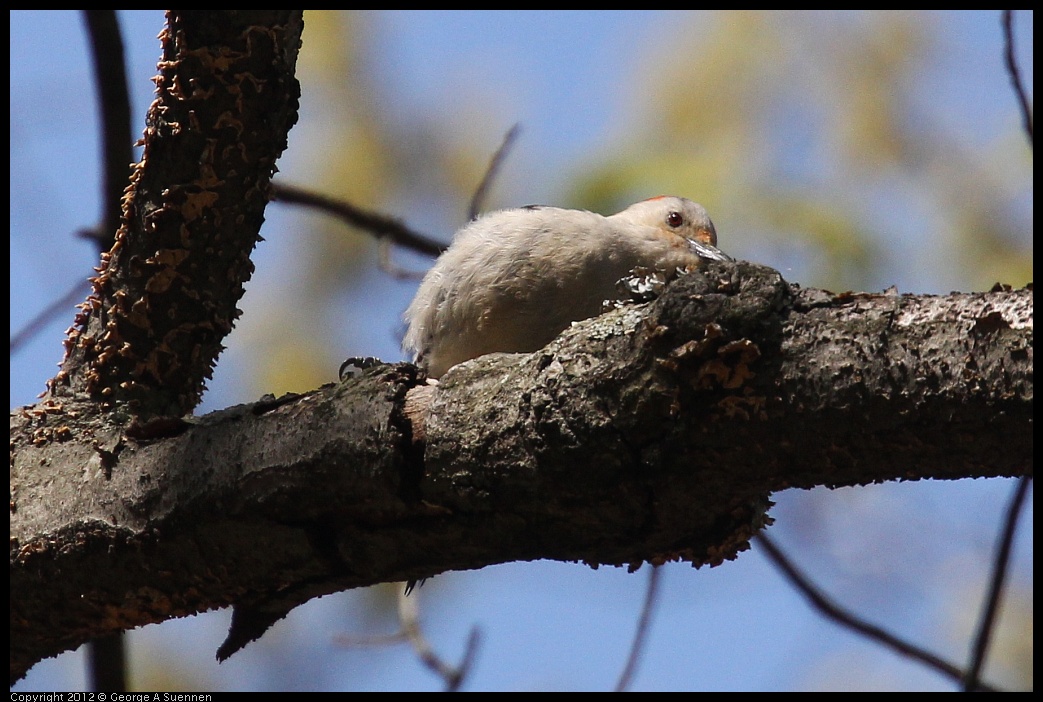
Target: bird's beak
707, 250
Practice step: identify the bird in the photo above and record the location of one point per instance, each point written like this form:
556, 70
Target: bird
513, 279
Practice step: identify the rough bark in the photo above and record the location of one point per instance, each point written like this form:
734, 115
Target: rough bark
653, 432
165, 295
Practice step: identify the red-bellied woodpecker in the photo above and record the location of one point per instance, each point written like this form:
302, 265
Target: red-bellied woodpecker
512, 280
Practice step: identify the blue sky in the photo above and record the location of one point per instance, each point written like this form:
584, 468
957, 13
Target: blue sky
909, 556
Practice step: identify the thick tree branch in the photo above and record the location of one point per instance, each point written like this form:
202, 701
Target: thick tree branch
165, 295
654, 432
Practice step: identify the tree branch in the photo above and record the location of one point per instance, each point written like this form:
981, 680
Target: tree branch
110, 74
478, 199
379, 225
149, 334
644, 624
1015, 75
846, 619
655, 432
994, 595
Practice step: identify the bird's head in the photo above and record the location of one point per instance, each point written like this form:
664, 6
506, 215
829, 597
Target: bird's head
675, 219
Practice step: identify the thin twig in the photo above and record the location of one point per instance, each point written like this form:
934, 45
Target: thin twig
42, 318
409, 616
992, 598
845, 618
379, 225
1015, 74
410, 632
641, 635
494, 165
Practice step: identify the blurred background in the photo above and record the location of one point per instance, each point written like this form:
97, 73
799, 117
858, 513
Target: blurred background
849, 150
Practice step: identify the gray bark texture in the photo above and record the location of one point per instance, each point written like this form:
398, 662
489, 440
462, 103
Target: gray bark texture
654, 432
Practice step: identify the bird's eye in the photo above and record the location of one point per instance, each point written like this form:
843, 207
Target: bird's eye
674, 219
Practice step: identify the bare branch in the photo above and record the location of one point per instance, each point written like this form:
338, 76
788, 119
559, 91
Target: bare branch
490, 172
410, 632
106, 663
386, 228
110, 75
1015, 74
452, 676
377, 224
992, 598
42, 318
840, 615
643, 625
